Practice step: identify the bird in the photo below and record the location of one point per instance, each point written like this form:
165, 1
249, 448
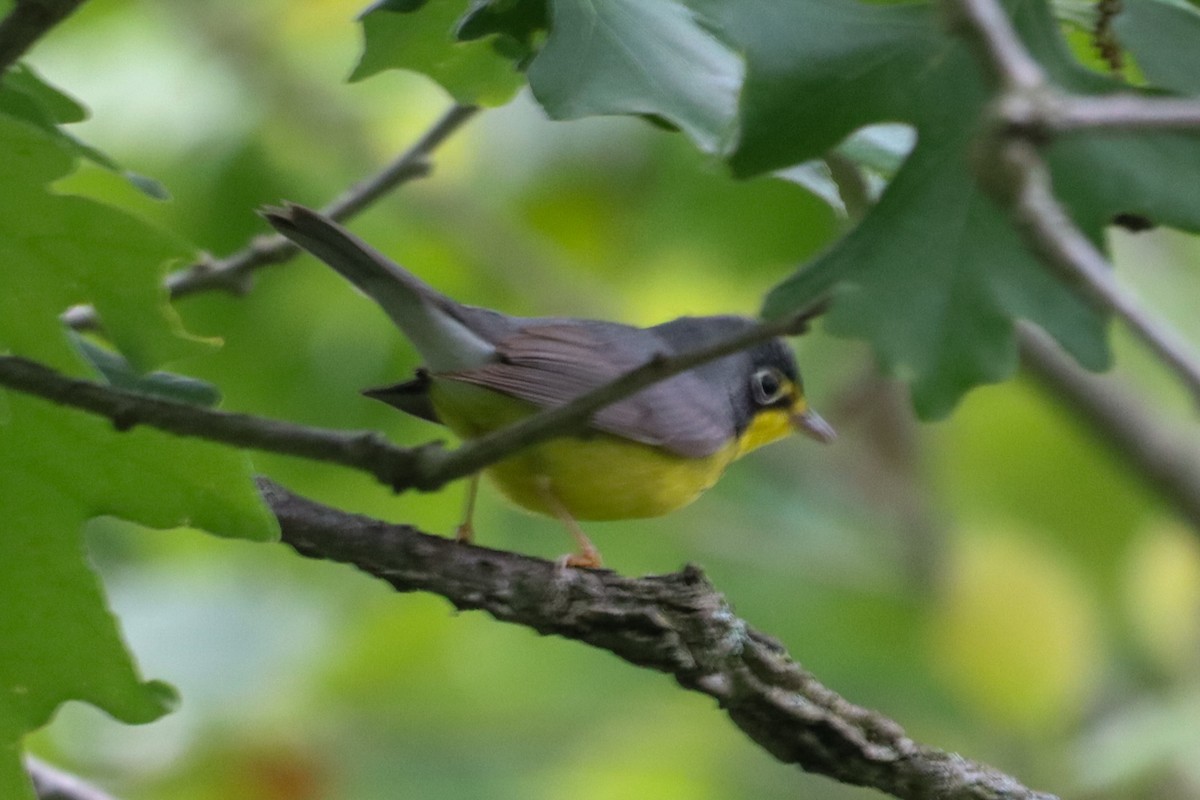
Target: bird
645, 455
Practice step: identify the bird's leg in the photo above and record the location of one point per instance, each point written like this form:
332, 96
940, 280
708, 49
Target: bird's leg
588, 556
466, 529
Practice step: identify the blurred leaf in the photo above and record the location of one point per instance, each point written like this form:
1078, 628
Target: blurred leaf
882, 148
1016, 634
852, 177
147, 185
816, 177
630, 57
119, 373
853, 64
57, 105
689, 239
423, 40
25, 95
1163, 37
520, 19
60, 251
59, 468
401, 6
1080, 13
519, 24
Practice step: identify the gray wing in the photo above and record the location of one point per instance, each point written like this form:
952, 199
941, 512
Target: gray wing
550, 362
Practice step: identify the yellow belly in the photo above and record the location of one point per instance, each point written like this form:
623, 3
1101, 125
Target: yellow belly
597, 477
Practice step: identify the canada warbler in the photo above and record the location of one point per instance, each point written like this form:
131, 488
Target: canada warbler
652, 452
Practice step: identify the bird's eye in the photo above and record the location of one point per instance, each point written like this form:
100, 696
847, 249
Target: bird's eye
768, 385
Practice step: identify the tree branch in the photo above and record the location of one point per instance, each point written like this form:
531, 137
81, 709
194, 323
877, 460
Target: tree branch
1055, 237
677, 624
28, 21
366, 451
232, 273
52, 783
427, 467
1124, 112
1012, 171
986, 27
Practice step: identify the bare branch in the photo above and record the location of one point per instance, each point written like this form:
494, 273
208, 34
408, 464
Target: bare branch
1012, 170
1061, 245
1124, 112
52, 783
365, 192
986, 26
677, 624
28, 21
426, 468
365, 451
232, 273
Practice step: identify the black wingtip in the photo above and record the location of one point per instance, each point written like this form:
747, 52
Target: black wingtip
411, 397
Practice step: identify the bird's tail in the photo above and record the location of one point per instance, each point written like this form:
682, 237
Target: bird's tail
422, 313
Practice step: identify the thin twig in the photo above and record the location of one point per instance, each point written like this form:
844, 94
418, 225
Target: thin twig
1037, 114
1167, 459
362, 194
1013, 172
232, 273
986, 26
1124, 112
365, 451
677, 624
28, 21
52, 783
426, 468
1062, 245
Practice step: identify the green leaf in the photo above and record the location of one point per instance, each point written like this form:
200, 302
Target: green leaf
422, 40
518, 19
518, 26
120, 373
59, 468
632, 57
59, 250
58, 106
146, 185
1165, 39
27, 96
934, 277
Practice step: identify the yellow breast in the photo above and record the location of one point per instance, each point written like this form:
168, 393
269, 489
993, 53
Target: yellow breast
596, 477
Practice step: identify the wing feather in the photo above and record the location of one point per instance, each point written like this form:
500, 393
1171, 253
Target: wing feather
553, 362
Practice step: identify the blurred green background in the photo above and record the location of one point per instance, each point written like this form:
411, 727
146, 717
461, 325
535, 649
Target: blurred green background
997, 582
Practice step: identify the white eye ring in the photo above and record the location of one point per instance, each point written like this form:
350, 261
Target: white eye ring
768, 385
